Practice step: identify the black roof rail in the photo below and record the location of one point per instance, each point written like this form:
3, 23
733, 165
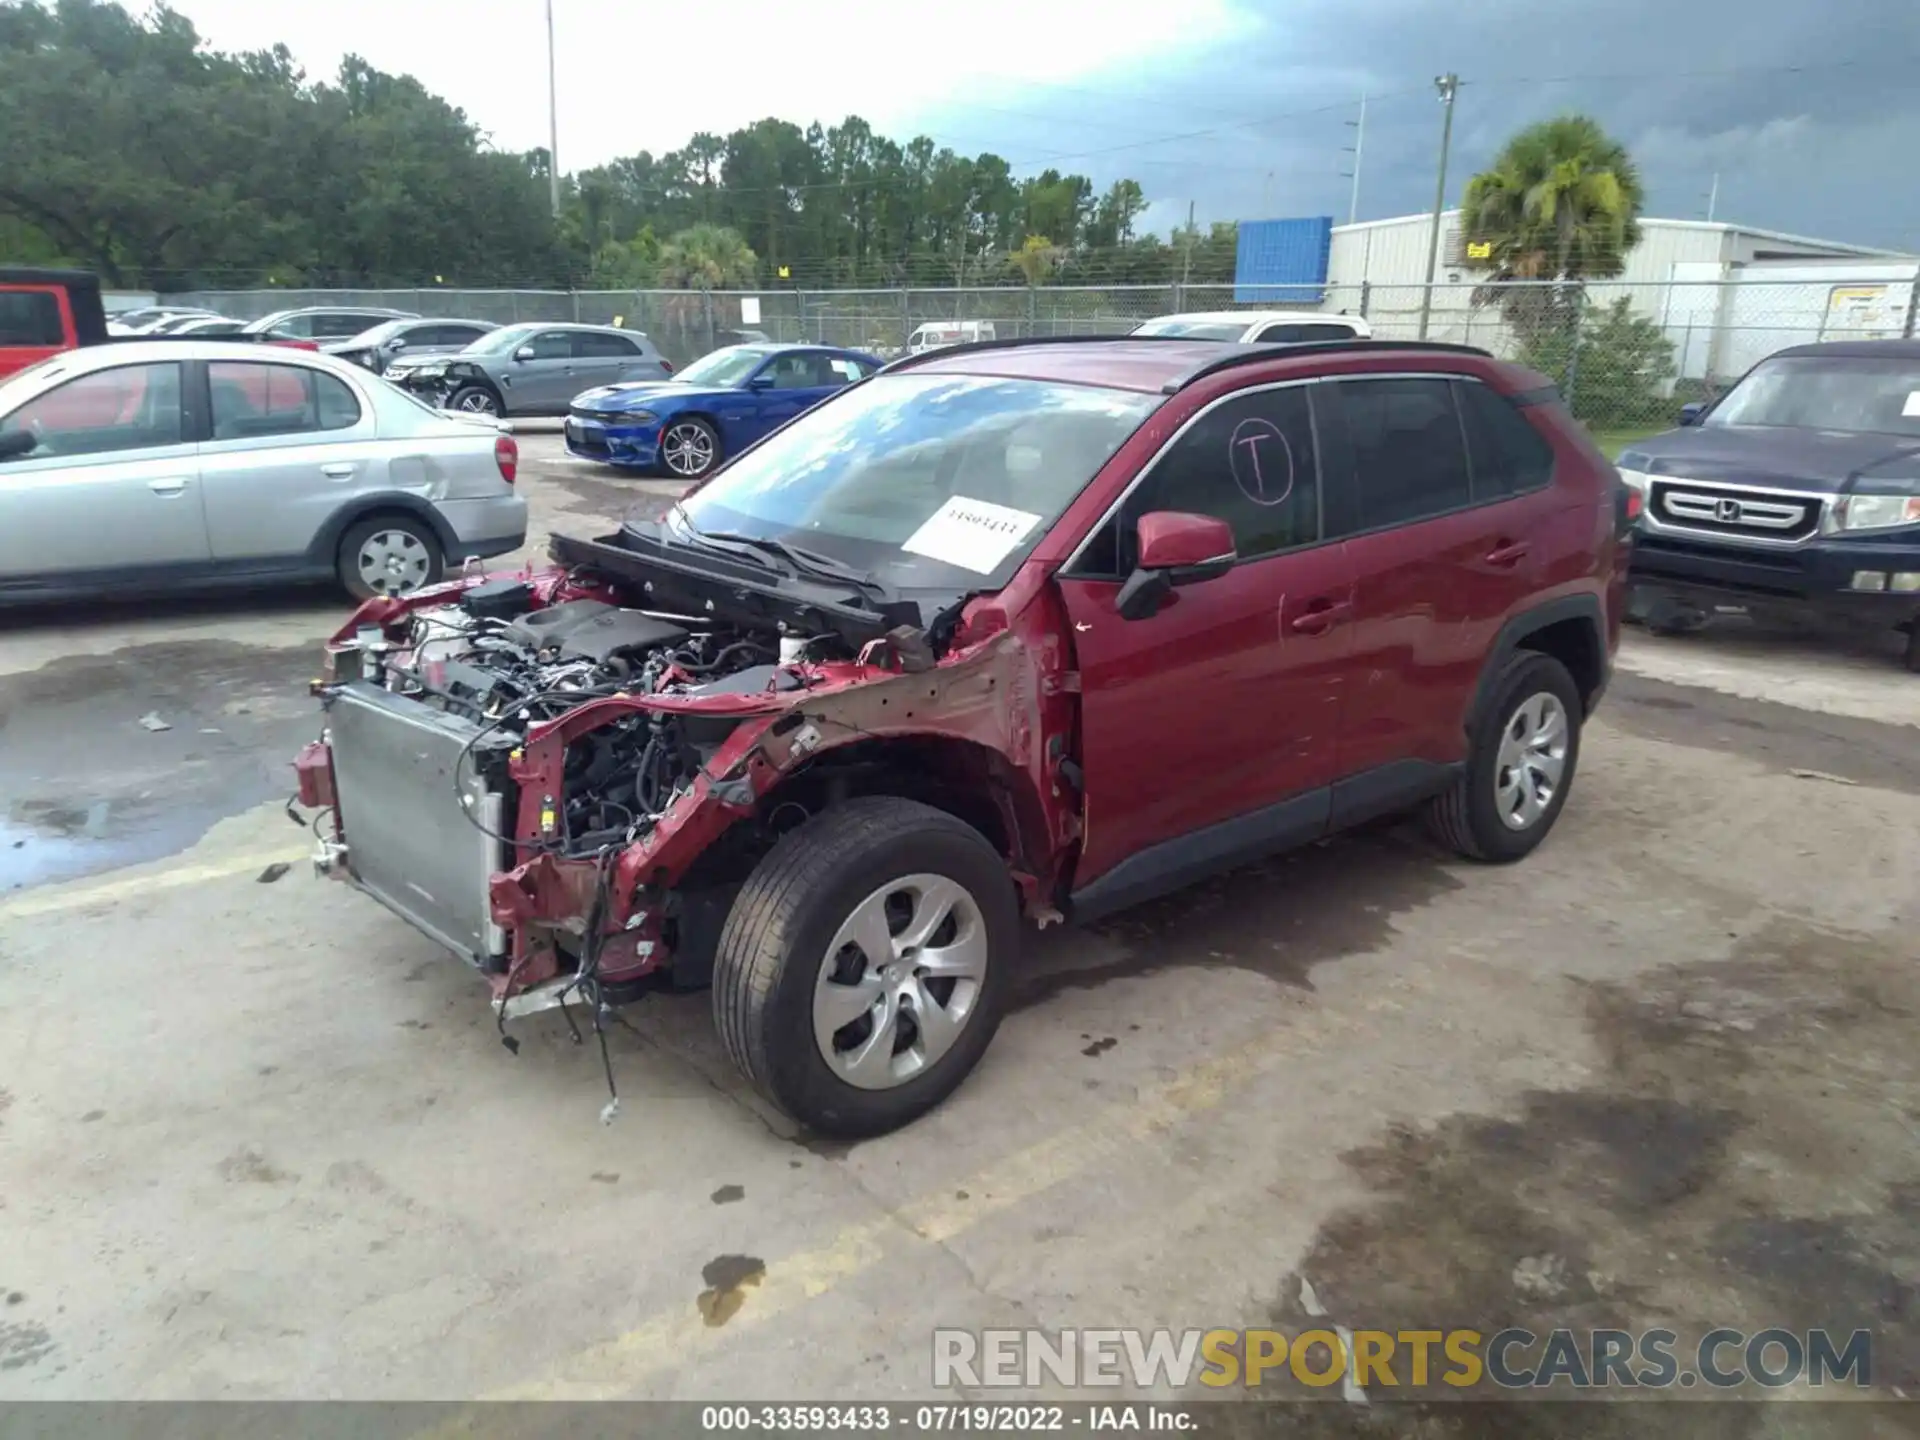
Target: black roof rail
1236, 354
1019, 343
1249, 354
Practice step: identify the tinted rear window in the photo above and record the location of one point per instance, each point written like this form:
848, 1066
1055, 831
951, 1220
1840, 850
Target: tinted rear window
1409, 458
1509, 456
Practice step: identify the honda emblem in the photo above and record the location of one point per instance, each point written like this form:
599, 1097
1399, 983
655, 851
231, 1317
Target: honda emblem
1727, 512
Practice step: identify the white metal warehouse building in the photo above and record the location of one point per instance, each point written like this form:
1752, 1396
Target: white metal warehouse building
1725, 294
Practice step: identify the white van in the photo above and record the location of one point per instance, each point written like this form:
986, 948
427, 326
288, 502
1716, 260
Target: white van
938, 334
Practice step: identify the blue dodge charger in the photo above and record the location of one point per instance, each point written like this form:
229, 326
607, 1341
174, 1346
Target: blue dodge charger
714, 408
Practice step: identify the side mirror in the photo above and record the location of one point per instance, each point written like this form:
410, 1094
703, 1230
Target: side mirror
15, 443
1175, 549
1690, 414
524, 353
396, 345
760, 382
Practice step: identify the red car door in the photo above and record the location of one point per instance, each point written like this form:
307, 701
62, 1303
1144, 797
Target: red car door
1441, 557
1208, 729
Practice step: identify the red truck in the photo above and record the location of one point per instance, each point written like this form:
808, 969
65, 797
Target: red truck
43, 312
1037, 629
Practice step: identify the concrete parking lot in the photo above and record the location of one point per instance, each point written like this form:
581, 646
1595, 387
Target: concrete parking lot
258, 1138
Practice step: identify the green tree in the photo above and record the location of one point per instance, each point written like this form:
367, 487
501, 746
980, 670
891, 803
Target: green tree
1613, 366
1035, 258
1561, 202
707, 257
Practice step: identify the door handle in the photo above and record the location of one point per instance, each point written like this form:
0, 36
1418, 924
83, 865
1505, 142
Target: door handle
339, 469
171, 486
1319, 617
1508, 552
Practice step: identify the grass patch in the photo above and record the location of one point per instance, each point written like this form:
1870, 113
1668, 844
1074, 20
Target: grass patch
1612, 442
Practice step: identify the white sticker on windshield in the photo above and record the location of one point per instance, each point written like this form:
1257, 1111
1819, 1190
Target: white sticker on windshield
973, 534
1912, 407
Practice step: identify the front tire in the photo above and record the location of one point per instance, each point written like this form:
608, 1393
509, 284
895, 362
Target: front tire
1520, 763
389, 555
1913, 646
689, 448
862, 971
475, 400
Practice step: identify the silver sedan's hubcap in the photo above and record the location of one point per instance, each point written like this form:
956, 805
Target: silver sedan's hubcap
478, 402
688, 448
1531, 760
900, 980
393, 562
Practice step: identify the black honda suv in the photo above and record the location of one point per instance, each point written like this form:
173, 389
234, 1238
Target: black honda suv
1799, 489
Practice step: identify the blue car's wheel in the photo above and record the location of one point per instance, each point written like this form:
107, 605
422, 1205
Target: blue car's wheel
689, 448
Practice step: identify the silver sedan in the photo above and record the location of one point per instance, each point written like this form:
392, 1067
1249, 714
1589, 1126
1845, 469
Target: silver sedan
138, 466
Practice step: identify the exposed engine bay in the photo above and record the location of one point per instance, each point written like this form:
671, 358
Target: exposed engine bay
491, 659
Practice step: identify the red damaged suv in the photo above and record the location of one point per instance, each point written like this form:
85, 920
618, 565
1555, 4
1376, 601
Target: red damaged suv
1034, 629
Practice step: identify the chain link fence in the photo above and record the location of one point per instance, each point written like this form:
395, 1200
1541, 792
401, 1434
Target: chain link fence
1625, 355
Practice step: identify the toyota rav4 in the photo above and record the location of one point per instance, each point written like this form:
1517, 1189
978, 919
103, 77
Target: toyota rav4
1028, 629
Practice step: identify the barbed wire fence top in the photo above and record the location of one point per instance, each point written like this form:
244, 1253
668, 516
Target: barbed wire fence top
1625, 354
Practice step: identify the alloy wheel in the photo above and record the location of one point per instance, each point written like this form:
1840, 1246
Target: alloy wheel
688, 449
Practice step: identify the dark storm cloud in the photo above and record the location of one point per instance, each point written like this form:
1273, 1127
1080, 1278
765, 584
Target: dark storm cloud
1808, 111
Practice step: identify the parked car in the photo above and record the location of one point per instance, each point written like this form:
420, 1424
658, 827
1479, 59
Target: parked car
169, 463
1215, 600
532, 369
938, 334
208, 326
151, 318
323, 322
1797, 491
45, 312
379, 347
1259, 327
717, 406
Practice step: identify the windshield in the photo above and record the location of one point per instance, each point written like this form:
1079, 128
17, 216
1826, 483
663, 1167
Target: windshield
499, 342
1815, 392
723, 367
266, 322
1195, 329
933, 483
367, 339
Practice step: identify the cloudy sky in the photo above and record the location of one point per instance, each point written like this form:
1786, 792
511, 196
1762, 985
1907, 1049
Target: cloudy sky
1808, 112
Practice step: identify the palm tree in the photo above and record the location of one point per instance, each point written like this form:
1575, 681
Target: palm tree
707, 257
1561, 202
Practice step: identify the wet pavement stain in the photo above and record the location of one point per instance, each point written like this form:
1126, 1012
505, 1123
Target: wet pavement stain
23, 1343
728, 1194
1278, 918
728, 1278
1100, 1046
1743, 1158
1781, 737
248, 1166
83, 788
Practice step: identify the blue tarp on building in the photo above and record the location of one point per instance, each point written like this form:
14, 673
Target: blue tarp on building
1282, 262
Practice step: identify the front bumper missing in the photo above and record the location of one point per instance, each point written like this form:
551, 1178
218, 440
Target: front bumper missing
422, 821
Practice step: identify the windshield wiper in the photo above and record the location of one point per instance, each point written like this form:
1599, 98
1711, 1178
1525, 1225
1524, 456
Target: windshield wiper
805, 561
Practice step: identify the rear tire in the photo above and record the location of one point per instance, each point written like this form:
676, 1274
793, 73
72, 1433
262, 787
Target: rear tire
389, 555
1520, 764
834, 1020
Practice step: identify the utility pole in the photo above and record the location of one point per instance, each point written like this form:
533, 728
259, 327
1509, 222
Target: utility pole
1448, 85
1186, 263
1355, 150
1713, 197
553, 120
